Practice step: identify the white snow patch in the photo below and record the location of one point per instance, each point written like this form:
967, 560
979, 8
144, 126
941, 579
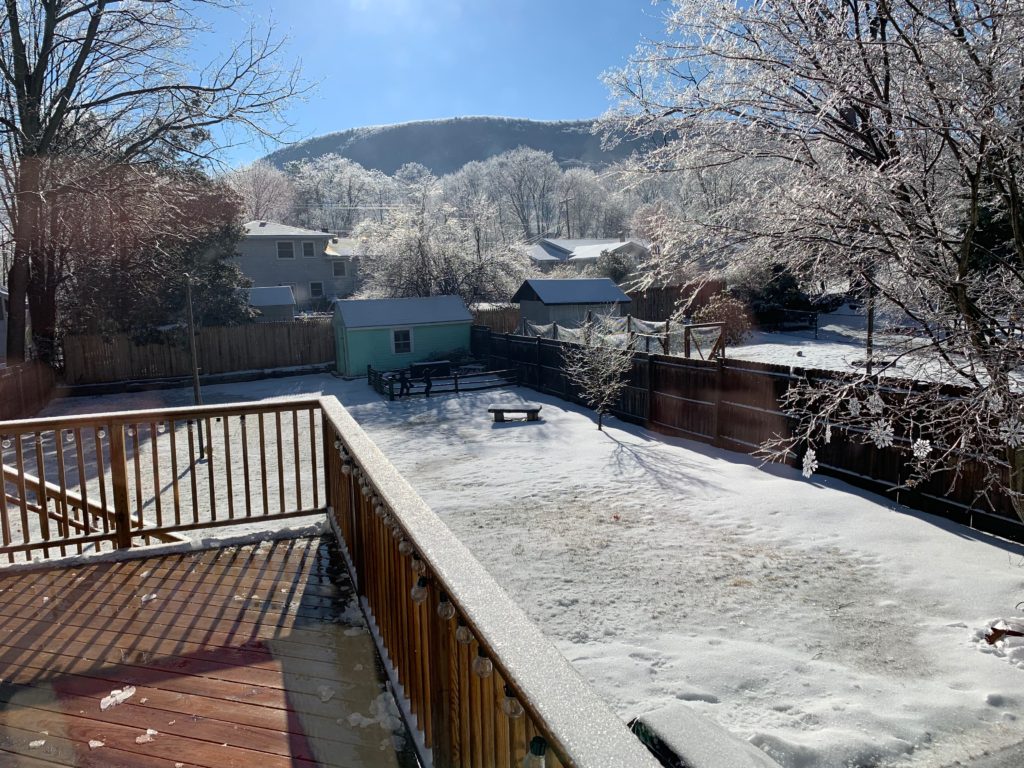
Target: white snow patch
117, 696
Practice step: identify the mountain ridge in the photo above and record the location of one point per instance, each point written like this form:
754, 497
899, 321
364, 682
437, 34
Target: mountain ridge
446, 144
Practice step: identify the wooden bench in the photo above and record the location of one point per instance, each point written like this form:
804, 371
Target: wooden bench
532, 410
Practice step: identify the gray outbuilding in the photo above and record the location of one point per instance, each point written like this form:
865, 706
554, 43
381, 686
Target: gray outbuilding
567, 302
274, 302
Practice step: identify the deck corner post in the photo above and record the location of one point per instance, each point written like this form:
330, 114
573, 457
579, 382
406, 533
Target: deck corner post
119, 480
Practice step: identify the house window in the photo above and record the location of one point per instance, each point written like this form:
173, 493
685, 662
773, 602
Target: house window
316, 290
285, 249
401, 340
307, 249
340, 268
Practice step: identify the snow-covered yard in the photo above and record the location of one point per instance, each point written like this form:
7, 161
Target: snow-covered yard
826, 625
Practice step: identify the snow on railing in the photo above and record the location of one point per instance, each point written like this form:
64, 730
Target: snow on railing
479, 677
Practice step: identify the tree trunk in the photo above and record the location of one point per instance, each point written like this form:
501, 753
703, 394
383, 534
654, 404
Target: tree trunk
600, 417
28, 208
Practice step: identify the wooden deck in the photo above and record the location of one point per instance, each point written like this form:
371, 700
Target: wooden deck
251, 656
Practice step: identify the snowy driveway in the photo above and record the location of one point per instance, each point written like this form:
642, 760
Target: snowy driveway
812, 618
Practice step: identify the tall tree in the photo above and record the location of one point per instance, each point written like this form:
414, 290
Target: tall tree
111, 81
267, 193
879, 140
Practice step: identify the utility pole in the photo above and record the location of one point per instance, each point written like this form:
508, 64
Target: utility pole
197, 392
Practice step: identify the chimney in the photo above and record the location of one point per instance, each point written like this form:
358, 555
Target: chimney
622, 237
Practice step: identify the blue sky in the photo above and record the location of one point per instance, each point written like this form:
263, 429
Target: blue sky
374, 62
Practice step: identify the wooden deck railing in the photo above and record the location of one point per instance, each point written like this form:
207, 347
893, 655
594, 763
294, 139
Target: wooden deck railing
83, 483
479, 678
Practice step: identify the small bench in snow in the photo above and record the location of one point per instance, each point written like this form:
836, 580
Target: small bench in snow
499, 411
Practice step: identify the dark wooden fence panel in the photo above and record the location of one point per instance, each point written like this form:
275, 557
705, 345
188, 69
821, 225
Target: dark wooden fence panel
659, 304
254, 346
25, 389
737, 404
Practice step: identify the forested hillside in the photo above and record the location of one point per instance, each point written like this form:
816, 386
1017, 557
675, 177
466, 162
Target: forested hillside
444, 146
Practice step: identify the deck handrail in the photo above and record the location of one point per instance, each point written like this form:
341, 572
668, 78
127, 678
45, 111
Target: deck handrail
459, 715
583, 730
24, 426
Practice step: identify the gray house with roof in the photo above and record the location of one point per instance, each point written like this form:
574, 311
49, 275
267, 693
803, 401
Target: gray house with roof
550, 252
567, 302
318, 266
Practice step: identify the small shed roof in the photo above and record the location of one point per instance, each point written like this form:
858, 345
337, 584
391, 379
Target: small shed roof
271, 296
597, 290
274, 229
378, 313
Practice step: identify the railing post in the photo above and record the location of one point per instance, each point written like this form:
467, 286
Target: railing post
119, 480
439, 674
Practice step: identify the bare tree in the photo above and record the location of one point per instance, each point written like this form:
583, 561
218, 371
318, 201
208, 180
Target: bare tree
111, 81
882, 145
267, 193
599, 371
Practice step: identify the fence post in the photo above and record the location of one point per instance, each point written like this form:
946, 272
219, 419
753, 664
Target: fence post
686, 342
119, 480
456, 382
650, 389
667, 342
719, 377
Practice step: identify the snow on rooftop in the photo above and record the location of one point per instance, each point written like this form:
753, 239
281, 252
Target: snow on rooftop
376, 313
596, 290
274, 229
271, 296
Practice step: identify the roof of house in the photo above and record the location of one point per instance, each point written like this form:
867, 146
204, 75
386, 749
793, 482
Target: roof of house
555, 250
274, 229
377, 313
342, 246
597, 290
271, 296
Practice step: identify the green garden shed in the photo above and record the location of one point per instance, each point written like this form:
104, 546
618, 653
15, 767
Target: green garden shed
389, 334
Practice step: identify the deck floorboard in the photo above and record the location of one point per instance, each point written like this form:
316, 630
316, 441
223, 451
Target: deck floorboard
246, 656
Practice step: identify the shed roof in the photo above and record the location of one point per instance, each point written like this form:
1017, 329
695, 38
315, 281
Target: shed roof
597, 290
274, 229
377, 313
271, 296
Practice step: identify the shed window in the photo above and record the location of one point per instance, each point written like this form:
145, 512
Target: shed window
307, 249
316, 290
401, 340
340, 268
285, 249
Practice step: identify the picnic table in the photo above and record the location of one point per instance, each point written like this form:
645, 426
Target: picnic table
500, 410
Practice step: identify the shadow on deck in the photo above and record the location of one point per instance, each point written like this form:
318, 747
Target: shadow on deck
243, 656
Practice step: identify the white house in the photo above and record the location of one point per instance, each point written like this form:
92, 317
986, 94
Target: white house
549, 252
318, 266
567, 302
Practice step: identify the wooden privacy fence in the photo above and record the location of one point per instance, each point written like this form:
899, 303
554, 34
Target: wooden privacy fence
662, 303
222, 349
500, 319
735, 404
25, 389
